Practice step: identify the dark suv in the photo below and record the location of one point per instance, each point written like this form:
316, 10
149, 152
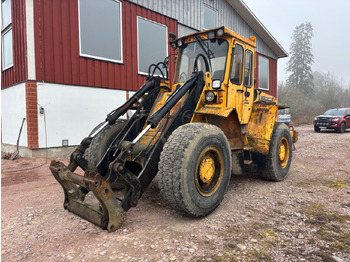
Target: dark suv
338, 119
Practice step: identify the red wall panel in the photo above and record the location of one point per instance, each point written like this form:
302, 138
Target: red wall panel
57, 47
18, 72
273, 77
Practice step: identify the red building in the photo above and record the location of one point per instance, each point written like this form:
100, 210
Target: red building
67, 63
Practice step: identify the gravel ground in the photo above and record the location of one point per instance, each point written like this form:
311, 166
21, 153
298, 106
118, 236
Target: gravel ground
304, 218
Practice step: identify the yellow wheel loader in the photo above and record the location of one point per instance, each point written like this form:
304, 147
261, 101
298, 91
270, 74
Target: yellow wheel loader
211, 123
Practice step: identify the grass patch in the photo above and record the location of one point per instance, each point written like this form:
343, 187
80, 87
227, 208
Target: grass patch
331, 227
334, 184
337, 183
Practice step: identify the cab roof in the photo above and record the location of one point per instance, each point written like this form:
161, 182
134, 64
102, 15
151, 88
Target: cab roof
226, 32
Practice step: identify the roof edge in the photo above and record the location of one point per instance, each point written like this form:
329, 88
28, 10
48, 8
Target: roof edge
249, 17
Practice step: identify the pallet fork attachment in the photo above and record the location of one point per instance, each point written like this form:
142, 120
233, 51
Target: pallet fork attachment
110, 216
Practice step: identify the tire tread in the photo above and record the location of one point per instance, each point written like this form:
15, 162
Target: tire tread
171, 164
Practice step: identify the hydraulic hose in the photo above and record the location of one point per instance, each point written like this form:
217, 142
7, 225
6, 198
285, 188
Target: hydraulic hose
172, 100
115, 114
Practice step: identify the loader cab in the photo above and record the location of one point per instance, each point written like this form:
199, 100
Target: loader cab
230, 84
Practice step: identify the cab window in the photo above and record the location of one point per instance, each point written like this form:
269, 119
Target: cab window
189, 52
248, 69
236, 65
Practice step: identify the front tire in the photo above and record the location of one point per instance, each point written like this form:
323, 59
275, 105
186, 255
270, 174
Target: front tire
102, 141
194, 169
317, 129
279, 158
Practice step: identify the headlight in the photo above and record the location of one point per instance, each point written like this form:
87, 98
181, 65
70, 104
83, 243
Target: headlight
335, 119
315, 118
220, 32
216, 84
209, 97
173, 45
211, 35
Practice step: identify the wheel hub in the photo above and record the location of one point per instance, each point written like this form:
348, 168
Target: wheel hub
207, 169
283, 152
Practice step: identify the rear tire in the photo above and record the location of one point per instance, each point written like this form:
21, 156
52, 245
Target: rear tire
279, 158
342, 128
194, 169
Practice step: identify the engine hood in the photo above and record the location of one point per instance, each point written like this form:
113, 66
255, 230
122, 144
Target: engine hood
328, 116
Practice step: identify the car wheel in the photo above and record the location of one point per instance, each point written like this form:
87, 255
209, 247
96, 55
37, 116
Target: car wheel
342, 128
317, 129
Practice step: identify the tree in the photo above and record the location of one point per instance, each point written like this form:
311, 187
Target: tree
329, 92
301, 59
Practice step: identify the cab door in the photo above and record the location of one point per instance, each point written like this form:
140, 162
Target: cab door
235, 81
248, 86
241, 91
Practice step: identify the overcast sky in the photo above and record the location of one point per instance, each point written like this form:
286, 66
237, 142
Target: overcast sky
331, 25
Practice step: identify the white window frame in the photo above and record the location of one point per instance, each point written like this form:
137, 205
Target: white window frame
4, 30
3, 27
216, 17
121, 38
2, 50
268, 72
138, 40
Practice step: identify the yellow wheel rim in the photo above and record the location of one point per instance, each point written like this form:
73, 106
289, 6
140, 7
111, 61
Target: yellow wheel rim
209, 171
283, 152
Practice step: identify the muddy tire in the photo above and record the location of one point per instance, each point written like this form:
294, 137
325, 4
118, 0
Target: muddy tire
194, 169
279, 158
102, 140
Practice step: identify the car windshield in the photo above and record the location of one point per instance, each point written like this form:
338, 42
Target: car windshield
190, 51
335, 112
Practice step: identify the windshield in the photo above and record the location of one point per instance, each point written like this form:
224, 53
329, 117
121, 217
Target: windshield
334, 112
189, 52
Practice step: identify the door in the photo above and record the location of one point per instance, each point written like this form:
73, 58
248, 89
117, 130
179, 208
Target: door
248, 83
347, 117
241, 91
235, 94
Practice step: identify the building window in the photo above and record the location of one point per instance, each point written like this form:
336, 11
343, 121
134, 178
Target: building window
6, 13
6, 35
263, 73
152, 44
209, 18
100, 26
7, 54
